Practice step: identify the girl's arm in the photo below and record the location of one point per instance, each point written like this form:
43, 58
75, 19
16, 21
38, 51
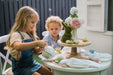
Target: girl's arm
25, 46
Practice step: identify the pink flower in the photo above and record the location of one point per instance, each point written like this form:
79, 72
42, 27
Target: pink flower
75, 23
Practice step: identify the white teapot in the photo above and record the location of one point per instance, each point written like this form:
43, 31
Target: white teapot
48, 52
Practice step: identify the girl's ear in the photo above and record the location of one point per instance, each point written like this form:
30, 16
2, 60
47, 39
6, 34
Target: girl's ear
60, 28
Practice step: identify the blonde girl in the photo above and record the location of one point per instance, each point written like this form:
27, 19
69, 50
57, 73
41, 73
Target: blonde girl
22, 41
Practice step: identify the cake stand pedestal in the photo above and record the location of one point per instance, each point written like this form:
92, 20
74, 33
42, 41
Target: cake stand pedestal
74, 48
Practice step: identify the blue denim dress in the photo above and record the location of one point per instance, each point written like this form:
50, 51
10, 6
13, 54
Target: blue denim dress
26, 65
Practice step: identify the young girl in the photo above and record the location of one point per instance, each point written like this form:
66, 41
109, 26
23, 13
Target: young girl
22, 41
54, 26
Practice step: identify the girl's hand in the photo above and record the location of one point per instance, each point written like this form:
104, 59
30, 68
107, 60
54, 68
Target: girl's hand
38, 50
42, 43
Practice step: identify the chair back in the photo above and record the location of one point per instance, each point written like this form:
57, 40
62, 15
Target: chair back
6, 59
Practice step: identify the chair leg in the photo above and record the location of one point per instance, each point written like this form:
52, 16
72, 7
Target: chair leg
6, 61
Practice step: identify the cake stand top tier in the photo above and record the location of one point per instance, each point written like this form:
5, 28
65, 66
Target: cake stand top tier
80, 44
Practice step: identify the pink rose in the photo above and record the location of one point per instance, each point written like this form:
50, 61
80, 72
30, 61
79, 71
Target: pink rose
75, 23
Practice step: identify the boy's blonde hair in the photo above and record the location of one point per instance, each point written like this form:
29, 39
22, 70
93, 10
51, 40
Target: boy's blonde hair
51, 19
24, 14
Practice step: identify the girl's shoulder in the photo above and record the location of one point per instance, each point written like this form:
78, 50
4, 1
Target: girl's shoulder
15, 34
19, 34
15, 37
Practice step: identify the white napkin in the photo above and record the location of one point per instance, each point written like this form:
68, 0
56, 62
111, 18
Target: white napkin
80, 63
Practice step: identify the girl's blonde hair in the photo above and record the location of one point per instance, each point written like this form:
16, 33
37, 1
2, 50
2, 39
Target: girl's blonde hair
24, 14
53, 19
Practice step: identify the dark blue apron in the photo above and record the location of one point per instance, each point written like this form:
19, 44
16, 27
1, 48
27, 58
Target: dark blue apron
26, 65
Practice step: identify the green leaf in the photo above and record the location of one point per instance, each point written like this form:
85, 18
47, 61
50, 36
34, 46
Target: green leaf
74, 16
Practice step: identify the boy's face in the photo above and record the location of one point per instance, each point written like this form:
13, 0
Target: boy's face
54, 28
31, 24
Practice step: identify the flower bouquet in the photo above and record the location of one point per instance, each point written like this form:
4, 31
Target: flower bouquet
72, 23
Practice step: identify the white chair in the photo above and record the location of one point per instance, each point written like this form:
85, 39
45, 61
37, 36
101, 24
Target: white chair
0, 66
3, 70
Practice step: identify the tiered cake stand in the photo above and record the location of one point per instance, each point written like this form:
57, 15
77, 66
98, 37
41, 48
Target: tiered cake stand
73, 52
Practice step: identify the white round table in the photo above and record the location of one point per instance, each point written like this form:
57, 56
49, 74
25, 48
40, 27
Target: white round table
58, 70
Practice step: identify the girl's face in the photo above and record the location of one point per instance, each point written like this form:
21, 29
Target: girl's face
31, 24
54, 29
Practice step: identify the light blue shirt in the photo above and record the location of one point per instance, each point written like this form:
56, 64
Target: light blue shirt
51, 42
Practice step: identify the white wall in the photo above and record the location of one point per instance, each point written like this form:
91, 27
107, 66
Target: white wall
101, 41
